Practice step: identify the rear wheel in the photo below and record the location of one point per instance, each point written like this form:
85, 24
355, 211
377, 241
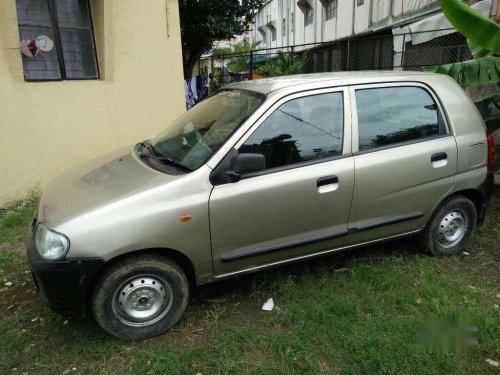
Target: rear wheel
450, 227
140, 296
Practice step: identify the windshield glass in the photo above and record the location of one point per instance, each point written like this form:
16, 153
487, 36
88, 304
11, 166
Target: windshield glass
197, 134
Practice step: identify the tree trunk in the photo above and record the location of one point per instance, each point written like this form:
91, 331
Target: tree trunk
190, 62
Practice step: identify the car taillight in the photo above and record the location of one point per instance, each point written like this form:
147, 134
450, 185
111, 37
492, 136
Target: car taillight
491, 151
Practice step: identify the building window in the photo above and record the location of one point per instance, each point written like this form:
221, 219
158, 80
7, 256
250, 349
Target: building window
292, 24
263, 35
273, 32
308, 15
360, 2
57, 40
283, 28
331, 9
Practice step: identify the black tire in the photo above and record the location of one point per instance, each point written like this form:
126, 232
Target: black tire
455, 214
159, 284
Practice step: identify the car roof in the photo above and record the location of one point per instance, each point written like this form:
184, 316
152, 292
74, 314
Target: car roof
267, 85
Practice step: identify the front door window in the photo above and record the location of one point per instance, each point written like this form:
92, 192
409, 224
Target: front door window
301, 130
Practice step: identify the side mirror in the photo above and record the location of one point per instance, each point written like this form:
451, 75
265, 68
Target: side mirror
245, 163
231, 167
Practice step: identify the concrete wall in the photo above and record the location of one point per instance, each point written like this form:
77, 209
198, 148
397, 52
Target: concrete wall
46, 127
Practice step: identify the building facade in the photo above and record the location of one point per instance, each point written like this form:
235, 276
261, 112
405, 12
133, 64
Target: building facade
290, 22
79, 78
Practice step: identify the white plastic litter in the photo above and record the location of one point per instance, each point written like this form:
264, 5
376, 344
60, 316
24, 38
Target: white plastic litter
269, 305
493, 363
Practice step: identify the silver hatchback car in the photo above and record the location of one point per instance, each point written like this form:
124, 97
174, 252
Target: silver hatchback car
260, 174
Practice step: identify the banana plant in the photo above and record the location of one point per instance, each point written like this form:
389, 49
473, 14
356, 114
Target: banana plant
483, 37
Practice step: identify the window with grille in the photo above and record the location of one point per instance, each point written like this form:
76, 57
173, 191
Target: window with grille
308, 15
331, 9
57, 40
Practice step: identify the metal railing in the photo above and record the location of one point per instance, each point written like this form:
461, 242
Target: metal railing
384, 51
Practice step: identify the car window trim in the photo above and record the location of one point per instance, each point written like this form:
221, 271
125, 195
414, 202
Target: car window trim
402, 144
294, 166
346, 129
355, 122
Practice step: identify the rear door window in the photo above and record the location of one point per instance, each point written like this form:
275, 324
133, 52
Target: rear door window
392, 115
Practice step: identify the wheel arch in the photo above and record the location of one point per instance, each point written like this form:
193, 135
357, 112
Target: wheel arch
182, 260
474, 195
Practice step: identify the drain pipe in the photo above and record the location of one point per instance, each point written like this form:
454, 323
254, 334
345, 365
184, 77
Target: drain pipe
370, 15
353, 16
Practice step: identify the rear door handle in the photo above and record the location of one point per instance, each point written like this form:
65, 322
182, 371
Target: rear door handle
439, 160
327, 184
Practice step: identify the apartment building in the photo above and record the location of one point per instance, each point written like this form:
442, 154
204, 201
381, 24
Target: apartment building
368, 34
290, 22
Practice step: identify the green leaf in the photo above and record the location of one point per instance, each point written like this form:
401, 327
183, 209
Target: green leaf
471, 73
471, 76
493, 125
484, 103
478, 51
479, 29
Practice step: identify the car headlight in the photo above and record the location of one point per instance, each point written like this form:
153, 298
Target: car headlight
49, 244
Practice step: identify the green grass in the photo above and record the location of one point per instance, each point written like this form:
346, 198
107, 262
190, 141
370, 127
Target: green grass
364, 320
14, 219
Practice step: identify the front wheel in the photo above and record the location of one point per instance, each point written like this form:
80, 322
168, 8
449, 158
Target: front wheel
450, 227
140, 296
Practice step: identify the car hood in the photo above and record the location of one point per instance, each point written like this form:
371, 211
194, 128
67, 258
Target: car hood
95, 184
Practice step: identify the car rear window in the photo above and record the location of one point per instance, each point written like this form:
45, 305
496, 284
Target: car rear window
392, 115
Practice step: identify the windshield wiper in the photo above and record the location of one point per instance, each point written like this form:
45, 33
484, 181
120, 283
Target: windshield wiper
152, 154
174, 162
148, 146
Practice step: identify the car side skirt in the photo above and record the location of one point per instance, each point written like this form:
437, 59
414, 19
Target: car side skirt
301, 258
377, 224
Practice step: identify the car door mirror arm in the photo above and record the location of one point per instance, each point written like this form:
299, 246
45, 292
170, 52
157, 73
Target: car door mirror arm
233, 176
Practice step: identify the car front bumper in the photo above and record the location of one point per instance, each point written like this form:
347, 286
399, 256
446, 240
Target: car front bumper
64, 285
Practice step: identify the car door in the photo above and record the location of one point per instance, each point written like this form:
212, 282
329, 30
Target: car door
299, 204
405, 160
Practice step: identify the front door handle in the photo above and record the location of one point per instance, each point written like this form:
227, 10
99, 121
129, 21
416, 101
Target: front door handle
327, 184
439, 156
439, 160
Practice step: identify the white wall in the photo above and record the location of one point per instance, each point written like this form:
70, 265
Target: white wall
372, 14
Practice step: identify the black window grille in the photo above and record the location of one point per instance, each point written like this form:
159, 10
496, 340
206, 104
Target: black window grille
57, 40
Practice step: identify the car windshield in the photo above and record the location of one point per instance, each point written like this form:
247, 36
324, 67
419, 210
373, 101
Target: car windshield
200, 132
